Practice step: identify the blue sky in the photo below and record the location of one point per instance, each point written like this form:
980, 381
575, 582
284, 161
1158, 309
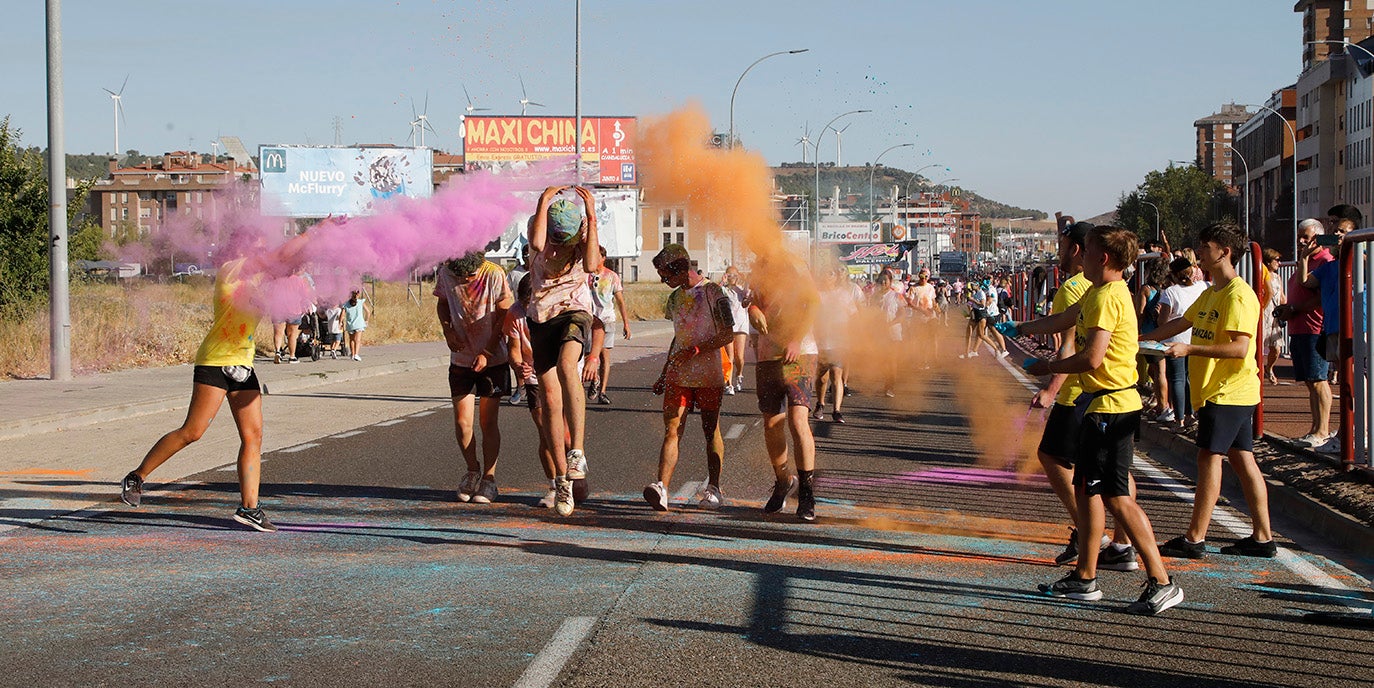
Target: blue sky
1048, 104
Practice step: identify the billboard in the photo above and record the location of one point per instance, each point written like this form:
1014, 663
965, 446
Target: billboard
503, 142
848, 232
318, 181
871, 254
617, 225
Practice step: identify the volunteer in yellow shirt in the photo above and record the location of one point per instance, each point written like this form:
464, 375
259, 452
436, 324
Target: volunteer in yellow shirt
1105, 338
224, 369
1224, 376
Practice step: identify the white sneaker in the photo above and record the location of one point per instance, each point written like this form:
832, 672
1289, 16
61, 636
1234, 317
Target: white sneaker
563, 498
549, 498
1332, 445
577, 465
1166, 416
963, 356
711, 498
730, 390
656, 495
486, 492
973, 354
467, 487
1004, 354
1310, 440
739, 383
356, 357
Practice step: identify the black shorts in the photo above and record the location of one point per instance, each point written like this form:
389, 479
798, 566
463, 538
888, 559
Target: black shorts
780, 384
215, 376
532, 399
1221, 428
547, 339
978, 314
492, 382
1060, 439
1106, 447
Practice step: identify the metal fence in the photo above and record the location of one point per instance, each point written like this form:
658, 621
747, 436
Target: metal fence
1356, 347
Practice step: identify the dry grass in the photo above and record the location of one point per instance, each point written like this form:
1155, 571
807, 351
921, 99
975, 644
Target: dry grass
646, 300
136, 325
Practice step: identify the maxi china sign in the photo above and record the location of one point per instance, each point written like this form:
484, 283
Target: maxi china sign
871, 254
608, 144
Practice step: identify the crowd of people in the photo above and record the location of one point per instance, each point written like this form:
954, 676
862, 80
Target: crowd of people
541, 333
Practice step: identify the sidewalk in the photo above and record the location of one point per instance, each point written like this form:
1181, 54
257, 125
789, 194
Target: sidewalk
29, 407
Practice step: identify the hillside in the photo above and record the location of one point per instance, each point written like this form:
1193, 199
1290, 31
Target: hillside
799, 178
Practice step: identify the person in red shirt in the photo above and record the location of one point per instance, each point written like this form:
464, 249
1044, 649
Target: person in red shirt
1303, 313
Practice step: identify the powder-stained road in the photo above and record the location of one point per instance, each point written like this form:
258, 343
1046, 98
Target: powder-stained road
920, 570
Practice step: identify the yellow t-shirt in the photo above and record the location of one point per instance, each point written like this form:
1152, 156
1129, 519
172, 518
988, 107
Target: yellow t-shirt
1109, 307
1068, 294
230, 340
1217, 316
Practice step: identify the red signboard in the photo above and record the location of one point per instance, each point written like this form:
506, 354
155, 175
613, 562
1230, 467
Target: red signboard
608, 155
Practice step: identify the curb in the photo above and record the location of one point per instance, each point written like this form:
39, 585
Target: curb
1336, 527
59, 422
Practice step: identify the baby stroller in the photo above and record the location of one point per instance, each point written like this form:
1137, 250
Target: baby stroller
308, 341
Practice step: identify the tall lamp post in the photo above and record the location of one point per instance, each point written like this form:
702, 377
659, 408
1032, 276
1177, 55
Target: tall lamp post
1009, 221
917, 172
874, 168
1158, 236
731, 143
1245, 191
816, 153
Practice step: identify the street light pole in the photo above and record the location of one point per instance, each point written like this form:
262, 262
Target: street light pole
1245, 191
1158, 236
994, 237
913, 176
731, 142
816, 153
874, 168
1294, 134
59, 307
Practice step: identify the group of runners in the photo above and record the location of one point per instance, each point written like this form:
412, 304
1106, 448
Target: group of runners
543, 330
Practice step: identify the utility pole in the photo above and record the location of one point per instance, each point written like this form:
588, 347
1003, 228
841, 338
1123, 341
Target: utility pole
60, 326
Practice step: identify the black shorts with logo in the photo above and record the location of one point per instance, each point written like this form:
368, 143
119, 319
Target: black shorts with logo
217, 376
1221, 428
547, 338
492, 381
1060, 439
1106, 447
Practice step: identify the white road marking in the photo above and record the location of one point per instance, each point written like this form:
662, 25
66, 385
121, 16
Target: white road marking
389, 423
1228, 520
344, 435
735, 432
543, 671
299, 447
421, 414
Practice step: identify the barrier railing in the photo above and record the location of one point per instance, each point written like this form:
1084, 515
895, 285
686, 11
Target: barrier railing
1356, 347
1251, 270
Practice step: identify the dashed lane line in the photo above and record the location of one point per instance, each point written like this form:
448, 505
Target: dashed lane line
544, 670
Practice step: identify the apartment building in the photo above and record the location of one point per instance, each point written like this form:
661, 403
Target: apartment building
180, 183
1214, 133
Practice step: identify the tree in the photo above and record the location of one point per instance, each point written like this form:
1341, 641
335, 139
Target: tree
1188, 200
24, 222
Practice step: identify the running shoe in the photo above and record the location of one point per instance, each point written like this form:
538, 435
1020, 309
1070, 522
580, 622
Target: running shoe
711, 498
730, 390
518, 395
779, 498
563, 498
1311, 439
806, 507
739, 383
1166, 416
1156, 598
131, 489
1070, 553
1180, 548
1332, 445
549, 498
818, 415
1248, 546
973, 354
837, 417
602, 399
577, 474
486, 492
1073, 587
356, 357
1004, 354
276, 357
255, 519
1113, 559
657, 496
467, 487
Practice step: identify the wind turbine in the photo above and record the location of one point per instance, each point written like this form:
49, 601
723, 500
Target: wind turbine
420, 123
805, 140
473, 108
525, 101
839, 137
214, 150
118, 111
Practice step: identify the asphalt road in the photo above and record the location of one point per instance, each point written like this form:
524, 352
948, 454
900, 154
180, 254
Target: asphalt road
920, 570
